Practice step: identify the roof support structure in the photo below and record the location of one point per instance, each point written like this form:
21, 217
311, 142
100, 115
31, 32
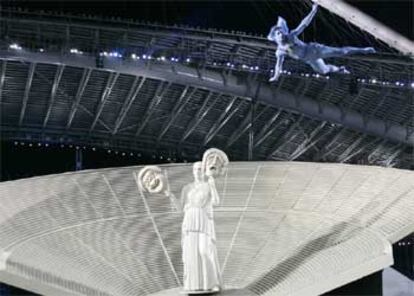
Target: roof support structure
350, 148
231, 85
82, 85
266, 131
26, 92
244, 126
156, 99
105, 94
287, 137
178, 107
327, 148
359, 150
308, 142
201, 113
2, 76
398, 150
58, 76
376, 150
222, 120
133, 93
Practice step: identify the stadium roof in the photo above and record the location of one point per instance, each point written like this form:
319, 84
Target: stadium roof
143, 86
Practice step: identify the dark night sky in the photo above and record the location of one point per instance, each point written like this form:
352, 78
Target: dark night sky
253, 16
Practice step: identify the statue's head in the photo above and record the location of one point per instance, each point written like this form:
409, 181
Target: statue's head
279, 32
151, 179
198, 171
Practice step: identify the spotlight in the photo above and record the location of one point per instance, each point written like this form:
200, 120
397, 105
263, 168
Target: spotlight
123, 153
39, 144
30, 145
187, 60
22, 143
15, 46
162, 58
134, 56
131, 154
62, 146
46, 145
256, 68
93, 149
412, 84
41, 50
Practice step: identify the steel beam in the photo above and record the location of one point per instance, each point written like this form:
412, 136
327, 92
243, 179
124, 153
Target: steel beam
201, 113
152, 105
133, 93
178, 107
56, 81
105, 94
27, 91
286, 138
82, 85
266, 131
326, 149
244, 126
390, 159
2, 76
221, 121
375, 151
304, 146
350, 148
360, 150
231, 85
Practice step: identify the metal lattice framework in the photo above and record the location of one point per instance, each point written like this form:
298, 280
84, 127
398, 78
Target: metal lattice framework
187, 106
283, 228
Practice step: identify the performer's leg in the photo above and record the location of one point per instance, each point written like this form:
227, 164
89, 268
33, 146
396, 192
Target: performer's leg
321, 67
330, 52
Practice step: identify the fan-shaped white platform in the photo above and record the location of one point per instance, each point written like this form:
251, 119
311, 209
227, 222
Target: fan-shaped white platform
283, 228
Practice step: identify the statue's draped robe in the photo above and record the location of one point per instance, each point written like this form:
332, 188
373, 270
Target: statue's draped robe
201, 267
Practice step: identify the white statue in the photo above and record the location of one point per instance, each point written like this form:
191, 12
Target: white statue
198, 236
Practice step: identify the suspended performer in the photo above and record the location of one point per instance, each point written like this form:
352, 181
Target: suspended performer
288, 44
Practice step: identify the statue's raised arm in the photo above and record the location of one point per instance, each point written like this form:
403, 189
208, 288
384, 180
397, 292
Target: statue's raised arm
153, 180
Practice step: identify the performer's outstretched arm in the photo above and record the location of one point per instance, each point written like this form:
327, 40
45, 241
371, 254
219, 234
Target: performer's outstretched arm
306, 21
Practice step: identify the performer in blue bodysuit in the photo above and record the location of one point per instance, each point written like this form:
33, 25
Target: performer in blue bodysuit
288, 44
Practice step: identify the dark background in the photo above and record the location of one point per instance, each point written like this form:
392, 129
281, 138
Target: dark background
252, 16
